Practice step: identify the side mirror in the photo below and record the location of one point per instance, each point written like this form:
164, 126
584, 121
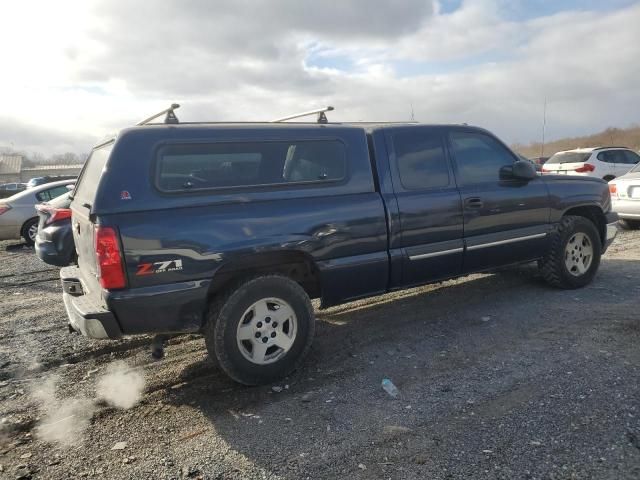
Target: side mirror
520, 170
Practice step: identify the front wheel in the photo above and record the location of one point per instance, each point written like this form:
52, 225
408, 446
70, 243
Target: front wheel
574, 254
260, 330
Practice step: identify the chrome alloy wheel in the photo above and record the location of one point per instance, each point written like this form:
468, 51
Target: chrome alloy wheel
578, 254
267, 331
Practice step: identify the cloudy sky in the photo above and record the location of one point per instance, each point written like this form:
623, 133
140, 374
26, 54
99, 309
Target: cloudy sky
73, 72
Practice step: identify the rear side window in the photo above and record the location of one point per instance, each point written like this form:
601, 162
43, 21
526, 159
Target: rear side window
243, 164
421, 159
479, 157
90, 176
631, 157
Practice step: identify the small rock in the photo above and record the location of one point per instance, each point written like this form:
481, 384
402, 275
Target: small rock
535, 443
420, 459
362, 466
395, 430
119, 446
306, 398
487, 451
26, 455
276, 388
485, 319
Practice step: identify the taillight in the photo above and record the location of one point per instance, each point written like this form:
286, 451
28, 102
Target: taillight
587, 167
58, 214
613, 189
109, 258
4, 209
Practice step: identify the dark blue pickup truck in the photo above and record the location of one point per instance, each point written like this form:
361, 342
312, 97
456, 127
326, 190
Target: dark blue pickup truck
230, 229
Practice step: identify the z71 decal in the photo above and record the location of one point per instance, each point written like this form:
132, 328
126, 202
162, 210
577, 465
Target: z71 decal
159, 267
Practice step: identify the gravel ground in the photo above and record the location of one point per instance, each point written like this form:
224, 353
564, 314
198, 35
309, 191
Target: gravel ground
499, 375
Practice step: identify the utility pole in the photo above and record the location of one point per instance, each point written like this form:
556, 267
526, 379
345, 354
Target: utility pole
413, 118
544, 125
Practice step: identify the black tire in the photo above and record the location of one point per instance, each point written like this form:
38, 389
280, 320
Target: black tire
553, 267
226, 312
25, 230
629, 224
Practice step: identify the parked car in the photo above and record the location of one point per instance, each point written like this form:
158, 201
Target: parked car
602, 162
18, 216
534, 164
54, 240
625, 197
539, 160
9, 189
35, 181
230, 229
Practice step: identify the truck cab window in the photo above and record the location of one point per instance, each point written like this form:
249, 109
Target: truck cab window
421, 159
479, 157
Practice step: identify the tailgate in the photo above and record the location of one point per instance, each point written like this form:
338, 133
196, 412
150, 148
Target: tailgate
562, 168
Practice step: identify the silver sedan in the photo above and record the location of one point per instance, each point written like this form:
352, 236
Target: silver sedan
625, 197
18, 216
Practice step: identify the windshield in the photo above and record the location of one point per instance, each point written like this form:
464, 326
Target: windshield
569, 157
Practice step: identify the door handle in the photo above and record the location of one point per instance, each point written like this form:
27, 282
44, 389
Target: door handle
473, 202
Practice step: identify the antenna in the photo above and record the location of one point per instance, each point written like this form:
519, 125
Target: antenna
170, 117
544, 126
322, 118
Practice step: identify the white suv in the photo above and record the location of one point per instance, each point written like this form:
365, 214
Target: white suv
602, 162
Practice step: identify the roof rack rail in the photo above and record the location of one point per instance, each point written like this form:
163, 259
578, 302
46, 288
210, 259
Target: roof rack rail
612, 146
170, 117
322, 118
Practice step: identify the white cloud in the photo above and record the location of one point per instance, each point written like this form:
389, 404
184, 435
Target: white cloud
81, 69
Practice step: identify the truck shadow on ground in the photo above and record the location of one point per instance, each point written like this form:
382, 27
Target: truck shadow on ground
14, 247
424, 336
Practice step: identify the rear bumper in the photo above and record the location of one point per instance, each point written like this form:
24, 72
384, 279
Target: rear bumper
49, 253
172, 308
627, 208
86, 315
612, 229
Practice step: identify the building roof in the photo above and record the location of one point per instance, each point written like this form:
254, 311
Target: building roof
10, 164
76, 166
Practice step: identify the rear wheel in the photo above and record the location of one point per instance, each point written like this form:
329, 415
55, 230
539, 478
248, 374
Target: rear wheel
574, 255
629, 224
29, 231
260, 330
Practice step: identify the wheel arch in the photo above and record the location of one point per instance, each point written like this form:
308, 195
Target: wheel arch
593, 213
297, 265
